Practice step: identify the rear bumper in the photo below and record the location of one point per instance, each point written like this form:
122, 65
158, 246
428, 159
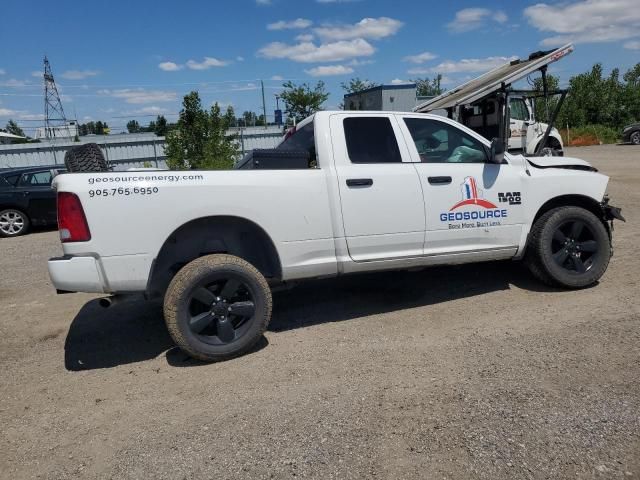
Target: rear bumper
76, 274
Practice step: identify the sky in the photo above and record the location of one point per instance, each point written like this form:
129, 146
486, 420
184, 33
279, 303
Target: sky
115, 61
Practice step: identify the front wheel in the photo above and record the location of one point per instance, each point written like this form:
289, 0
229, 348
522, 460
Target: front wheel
568, 247
217, 307
635, 138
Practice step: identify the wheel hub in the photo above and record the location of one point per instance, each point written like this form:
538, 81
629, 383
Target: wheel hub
220, 307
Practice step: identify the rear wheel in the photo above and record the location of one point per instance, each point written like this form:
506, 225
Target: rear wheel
13, 223
568, 247
635, 138
217, 307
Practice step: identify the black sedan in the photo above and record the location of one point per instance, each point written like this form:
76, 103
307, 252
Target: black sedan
26, 199
631, 134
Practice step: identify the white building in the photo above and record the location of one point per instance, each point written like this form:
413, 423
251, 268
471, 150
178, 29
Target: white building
63, 132
8, 138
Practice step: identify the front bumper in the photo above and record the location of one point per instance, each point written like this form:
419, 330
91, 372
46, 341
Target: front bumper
76, 274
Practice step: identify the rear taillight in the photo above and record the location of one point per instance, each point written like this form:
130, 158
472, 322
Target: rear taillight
72, 222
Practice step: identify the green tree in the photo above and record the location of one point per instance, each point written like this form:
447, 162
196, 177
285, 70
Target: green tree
99, 128
539, 104
199, 140
249, 118
230, 117
302, 100
632, 92
13, 128
356, 85
161, 127
220, 150
429, 87
133, 126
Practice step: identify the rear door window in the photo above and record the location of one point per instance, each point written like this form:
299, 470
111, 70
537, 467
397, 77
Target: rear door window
38, 179
371, 140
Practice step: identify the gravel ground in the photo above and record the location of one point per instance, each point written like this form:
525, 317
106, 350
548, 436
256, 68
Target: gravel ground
396, 375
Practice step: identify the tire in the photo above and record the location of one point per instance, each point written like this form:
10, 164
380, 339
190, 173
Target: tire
85, 158
13, 223
635, 138
568, 247
217, 307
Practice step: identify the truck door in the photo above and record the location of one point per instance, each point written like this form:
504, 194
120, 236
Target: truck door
380, 191
518, 124
471, 205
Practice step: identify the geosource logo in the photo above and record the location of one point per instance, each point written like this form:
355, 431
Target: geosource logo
471, 195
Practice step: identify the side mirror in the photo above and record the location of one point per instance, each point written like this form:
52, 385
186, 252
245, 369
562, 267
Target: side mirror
496, 152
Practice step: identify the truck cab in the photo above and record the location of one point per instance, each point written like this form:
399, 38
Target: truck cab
491, 106
524, 131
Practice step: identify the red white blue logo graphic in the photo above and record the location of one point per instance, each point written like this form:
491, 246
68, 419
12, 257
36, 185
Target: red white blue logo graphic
471, 195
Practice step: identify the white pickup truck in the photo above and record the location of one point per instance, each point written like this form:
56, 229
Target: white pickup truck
377, 191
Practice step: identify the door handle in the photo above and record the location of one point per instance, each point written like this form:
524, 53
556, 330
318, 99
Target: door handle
359, 182
25, 193
439, 180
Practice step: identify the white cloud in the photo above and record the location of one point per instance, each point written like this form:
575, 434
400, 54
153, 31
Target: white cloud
3, 71
398, 81
263, 2
79, 74
151, 110
14, 83
170, 66
635, 45
298, 23
239, 59
305, 37
471, 65
500, 16
7, 112
206, 64
587, 21
31, 116
140, 95
37, 74
277, 77
358, 63
328, 70
368, 28
308, 52
469, 19
420, 57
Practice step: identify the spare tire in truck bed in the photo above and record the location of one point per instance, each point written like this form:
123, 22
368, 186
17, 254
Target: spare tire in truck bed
85, 158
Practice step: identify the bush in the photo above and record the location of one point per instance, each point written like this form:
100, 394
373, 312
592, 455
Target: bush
589, 135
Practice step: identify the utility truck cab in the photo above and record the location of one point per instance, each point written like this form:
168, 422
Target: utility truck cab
490, 105
356, 192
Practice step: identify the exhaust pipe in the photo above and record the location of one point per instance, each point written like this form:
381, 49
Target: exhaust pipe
106, 302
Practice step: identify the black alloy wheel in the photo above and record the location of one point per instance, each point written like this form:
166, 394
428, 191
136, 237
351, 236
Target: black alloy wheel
217, 307
568, 247
220, 311
574, 246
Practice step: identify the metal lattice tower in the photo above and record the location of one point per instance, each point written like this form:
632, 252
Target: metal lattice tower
53, 111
